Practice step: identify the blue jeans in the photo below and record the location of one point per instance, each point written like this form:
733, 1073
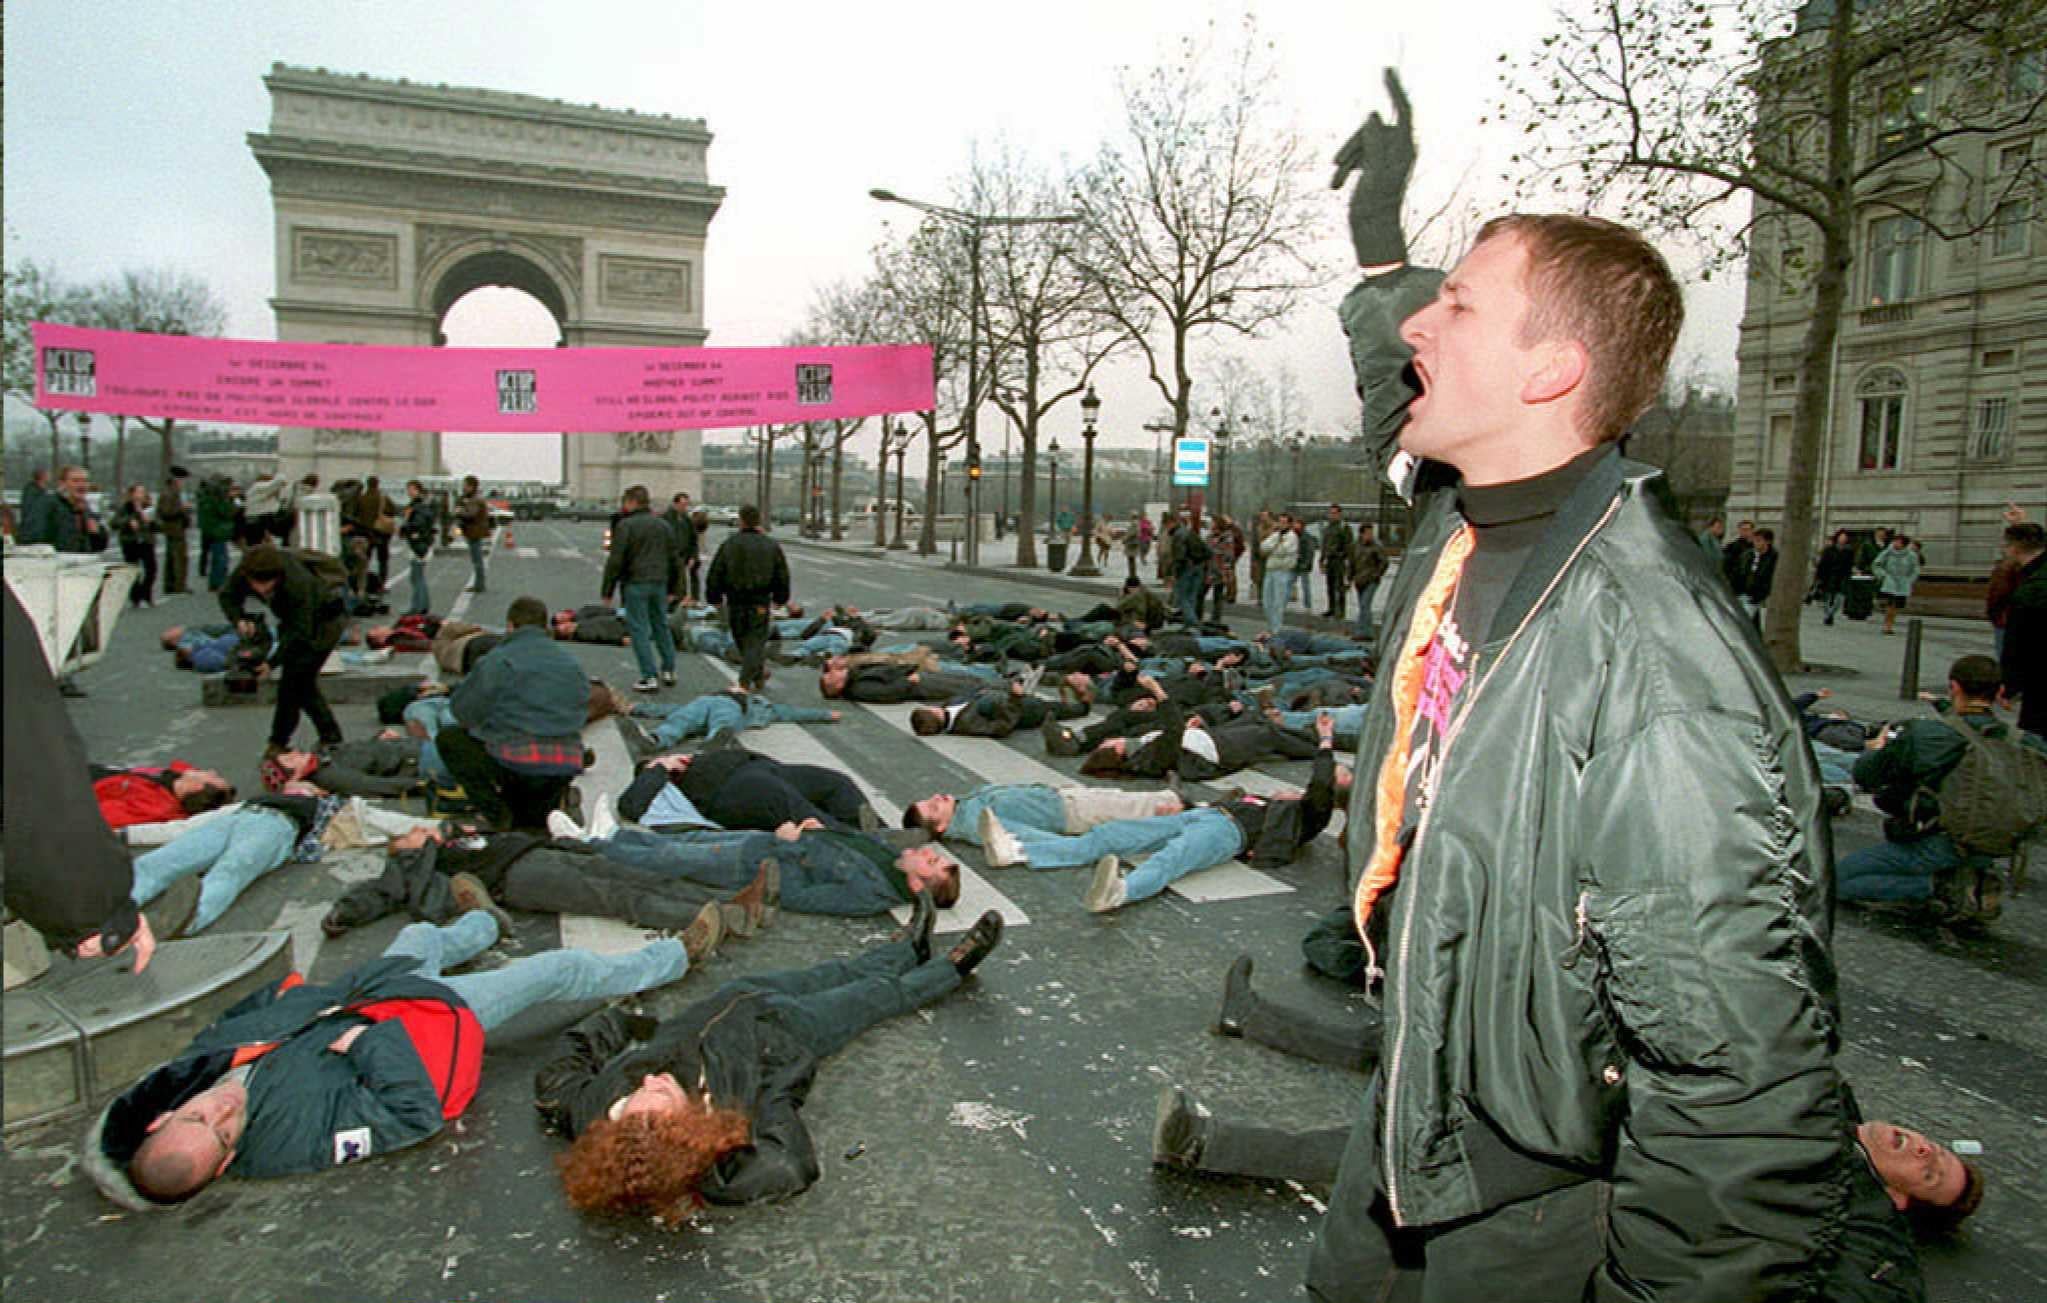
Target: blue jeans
820, 875
1032, 805
433, 714
420, 600
1350, 721
709, 641
1182, 843
645, 607
476, 561
1305, 581
1836, 766
232, 851
824, 644
213, 559
1278, 585
1895, 870
501, 994
1187, 587
1361, 627
1830, 604
718, 712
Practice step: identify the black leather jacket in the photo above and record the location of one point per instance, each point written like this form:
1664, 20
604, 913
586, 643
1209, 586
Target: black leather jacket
1608, 955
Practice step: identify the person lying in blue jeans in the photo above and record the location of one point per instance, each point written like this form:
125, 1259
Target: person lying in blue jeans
731, 711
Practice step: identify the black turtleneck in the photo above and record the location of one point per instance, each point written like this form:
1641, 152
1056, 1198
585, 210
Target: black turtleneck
1508, 521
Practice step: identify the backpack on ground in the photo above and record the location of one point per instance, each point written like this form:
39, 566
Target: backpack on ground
1995, 796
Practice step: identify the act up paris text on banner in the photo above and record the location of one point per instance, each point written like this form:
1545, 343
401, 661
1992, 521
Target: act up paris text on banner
523, 390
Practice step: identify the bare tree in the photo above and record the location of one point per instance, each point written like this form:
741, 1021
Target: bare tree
1199, 210
1046, 330
158, 301
1822, 114
34, 292
921, 284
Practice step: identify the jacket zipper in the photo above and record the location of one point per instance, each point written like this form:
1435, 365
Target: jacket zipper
1427, 798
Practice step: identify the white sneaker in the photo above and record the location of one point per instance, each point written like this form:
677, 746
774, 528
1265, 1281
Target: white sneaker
1105, 889
560, 825
998, 843
603, 819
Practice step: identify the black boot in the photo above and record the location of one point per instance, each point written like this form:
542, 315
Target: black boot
923, 916
978, 942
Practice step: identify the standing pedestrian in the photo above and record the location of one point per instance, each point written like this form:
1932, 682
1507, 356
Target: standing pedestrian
216, 527
375, 522
1734, 557
421, 529
1278, 551
1190, 569
136, 529
311, 610
173, 518
73, 526
2024, 654
1624, 1083
1710, 536
1830, 573
1133, 543
38, 508
1896, 569
1304, 563
748, 575
682, 523
472, 514
1367, 568
1336, 541
645, 568
1758, 574
1261, 529
1872, 548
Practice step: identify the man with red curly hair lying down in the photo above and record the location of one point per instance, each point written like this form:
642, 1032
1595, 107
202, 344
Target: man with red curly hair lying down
705, 1106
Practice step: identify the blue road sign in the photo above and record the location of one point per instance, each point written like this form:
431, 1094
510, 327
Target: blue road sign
1190, 462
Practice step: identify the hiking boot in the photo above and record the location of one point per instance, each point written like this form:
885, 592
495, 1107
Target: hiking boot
1105, 888
923, 917
1237, 998
700, 939
1179, 1131
998, 844
639, 741
975, 946
468, 892
172, 910
1059, 741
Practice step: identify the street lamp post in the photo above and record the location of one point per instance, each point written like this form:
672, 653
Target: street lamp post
975, 223
1090, 408
1158, 457
85, 444
881, 489
902, 448
1298, 442
1221, 424
1052, 516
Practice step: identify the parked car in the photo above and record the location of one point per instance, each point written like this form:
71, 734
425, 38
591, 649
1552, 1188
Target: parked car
722, 515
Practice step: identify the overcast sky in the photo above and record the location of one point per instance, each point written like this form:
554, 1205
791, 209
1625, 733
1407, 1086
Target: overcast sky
126, 123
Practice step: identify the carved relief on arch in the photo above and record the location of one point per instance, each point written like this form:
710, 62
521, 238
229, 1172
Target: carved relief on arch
437, 245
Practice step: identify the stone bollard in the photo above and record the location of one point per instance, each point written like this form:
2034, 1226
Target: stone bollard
1908, 674
319, 523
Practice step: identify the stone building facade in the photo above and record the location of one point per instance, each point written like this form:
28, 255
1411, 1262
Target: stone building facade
1939, 380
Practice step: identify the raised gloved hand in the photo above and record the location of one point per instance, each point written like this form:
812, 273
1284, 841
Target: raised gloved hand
1382, 154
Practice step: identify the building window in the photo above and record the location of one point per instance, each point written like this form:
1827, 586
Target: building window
1779, 449
1996, 359
1791, 269
1783, 382
2009, 227
1902, 110
1882, 398
1894, 259
1993, 423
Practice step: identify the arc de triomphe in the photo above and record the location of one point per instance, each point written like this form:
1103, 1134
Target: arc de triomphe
392, 200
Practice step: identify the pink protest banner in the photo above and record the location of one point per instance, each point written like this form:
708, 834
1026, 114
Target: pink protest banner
535, 390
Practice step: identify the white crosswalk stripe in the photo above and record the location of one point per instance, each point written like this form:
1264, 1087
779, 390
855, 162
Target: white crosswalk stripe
996, 762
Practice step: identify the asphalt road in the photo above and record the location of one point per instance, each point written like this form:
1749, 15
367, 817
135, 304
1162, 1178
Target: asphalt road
993, 1147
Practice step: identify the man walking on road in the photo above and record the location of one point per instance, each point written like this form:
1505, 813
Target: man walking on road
645, 562
472, 513
748, 575
1367, 568
679, 520
1336, 543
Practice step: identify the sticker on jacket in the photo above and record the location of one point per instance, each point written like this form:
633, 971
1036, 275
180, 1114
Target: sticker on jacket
351, 1145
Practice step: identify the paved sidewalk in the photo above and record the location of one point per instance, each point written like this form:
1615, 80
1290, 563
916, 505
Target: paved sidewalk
1851, 658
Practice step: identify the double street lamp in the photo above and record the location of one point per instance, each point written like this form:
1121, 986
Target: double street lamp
1090, 408
975, 224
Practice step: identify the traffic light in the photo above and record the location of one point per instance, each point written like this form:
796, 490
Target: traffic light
974, 467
